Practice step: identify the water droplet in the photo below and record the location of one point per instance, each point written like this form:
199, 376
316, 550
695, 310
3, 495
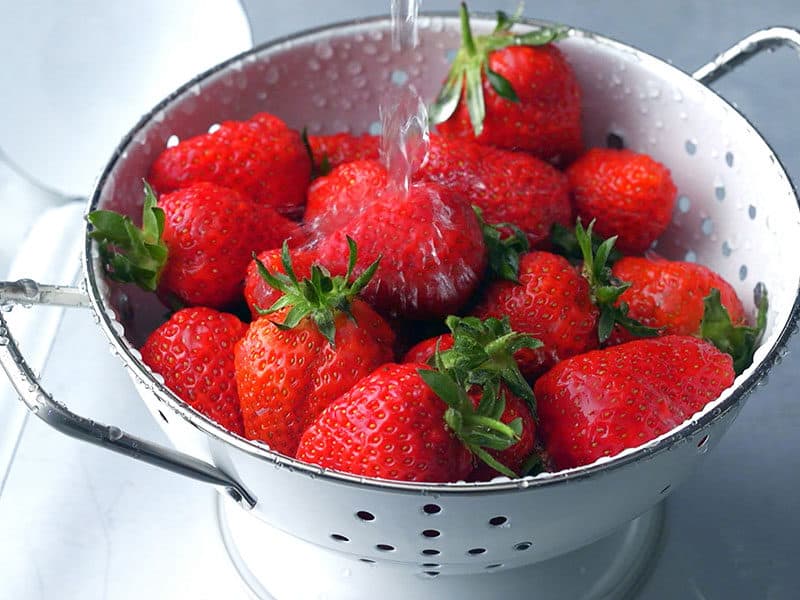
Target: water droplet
375, 128
3, 340
437, 24
354, 67
751, 211
173, 141
359, 82
114, 433
691, 147
318, 100
677, 95
323, 50
313, 64
659, 124
683, 116
346, 572
332, 74
654, 92
272, 75
382, 58
375, 34
369, 49
729, 159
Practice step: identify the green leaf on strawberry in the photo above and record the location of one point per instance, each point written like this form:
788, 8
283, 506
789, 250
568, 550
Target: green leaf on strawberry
130, 254
605, 288
319, 296
565, 243
472, 63
738, 341
504, 249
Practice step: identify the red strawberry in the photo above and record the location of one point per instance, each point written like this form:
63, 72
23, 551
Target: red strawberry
508, 187
628, 195
432, 247
259, 294
260, 157
669, 294
514, 91
480, 353
551, 302
686, 298
194, 244
602, 402
329, 151
337, 198
193, 351
288, 373
389, 425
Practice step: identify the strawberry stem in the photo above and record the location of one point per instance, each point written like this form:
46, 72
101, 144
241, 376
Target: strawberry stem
467, 41
504, 252
318, 297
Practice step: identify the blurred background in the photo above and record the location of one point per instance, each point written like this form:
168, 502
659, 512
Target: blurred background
77, 523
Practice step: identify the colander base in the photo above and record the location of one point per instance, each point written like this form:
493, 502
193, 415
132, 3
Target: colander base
278, 566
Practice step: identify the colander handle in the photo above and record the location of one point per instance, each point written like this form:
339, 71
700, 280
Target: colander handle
764, 39
43, 405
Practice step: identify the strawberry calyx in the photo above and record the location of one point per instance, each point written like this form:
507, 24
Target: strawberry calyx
605, 288
318, 169
478, 428
483, 354
130, 254
565, 243
472, 63
504, 249
738, 341
319, 296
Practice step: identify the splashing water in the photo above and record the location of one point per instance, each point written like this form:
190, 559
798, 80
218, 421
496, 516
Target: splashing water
404, 115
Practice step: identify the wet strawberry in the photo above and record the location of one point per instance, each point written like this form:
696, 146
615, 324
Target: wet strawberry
330, 151
193, 352
260, 157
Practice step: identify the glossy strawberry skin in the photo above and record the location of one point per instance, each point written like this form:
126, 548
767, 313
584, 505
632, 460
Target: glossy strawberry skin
258, 293
211, 232
193, 352
286, 378
602, 402
423, 351
260, 157
340, 148
337, 198
389, 425
630, 195
547, 119
432, 249
508, 187
669, 294
551, 303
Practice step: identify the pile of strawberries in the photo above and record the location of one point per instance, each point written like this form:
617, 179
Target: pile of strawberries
477, 323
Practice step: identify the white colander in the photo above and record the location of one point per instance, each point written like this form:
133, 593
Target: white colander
737, 212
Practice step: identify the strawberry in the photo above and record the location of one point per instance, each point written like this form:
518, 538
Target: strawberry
602, 402
258, 293
389, 425
288, 372
193, 352
330, 151
260, 157
337, 198
552, 302
628, 195
511, 187
513, 91
480, 353
683, 298
194, 244
432, 246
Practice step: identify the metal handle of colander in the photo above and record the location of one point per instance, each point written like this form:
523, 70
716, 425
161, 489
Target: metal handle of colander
43, 405
755, 43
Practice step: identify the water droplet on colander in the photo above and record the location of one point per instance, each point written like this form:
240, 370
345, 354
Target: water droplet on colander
616, 79
677, 95
414, 70
683, 116
346, 572
3, 340
323, 50
332, 74
659, 124
437, 24
383, 58
346, 104
315, 127
272, 75
6, 307
524, 483
626, 90
359, 37
318, 100
354, 67
313, 64
375, 34
114, 433
654, 92
359, 82
261, 95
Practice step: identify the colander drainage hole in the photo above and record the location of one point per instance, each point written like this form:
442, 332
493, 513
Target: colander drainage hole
498, 521
431, 565
431, 533
431, 509
431, 552
666, 488
522, 546
691, 147
163, 416
494, 566
385, 548
431, 573
703, 441
338, 537
365, 516
476, 551
368, 561
615, 141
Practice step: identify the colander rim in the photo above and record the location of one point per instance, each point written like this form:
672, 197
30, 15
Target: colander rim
209, 427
